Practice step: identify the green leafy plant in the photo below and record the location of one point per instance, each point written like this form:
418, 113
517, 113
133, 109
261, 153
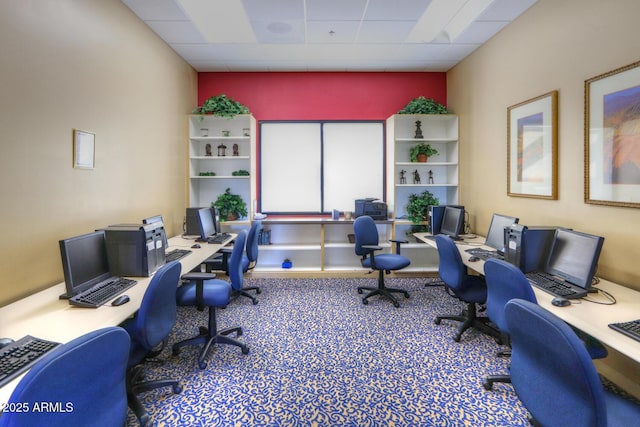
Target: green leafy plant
422, 148
418, 207
221, 105
230, 206
422, 105
240, 172
207, 174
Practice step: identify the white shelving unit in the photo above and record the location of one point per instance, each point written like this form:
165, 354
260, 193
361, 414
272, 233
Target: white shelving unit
441, 132
206, 134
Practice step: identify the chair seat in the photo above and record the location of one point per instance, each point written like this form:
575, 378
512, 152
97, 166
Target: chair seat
388, 262
473, 290
216, 293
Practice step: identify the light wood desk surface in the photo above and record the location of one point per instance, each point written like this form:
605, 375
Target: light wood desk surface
44, 315
590, 317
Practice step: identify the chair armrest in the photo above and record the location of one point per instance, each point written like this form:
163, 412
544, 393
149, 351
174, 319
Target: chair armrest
372, 247
398, 242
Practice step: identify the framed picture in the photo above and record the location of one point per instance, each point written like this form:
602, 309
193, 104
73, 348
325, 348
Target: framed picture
612, 138
532, 148
84, 149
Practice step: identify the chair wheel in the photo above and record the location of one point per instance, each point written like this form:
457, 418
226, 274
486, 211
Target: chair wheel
175, 351
177, 389
202, 365
360, 291
258, 291
365, 301
436, 321
457, 338
245, 349
255, 301
396, 304
406, 295
487, 385
145, 420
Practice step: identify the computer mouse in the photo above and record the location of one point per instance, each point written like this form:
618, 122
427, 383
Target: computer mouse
473, 259
560, 302
196, 246
5, 342
122, 299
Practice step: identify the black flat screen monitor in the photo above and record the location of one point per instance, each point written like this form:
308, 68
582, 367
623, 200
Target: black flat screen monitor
84, 261
452, 222
153, 220
207, 224
496, 235
216, 220
574, 256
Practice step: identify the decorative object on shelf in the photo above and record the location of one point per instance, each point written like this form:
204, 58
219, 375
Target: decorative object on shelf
246, 132
230, 206
422, 105
236, 150
430, 176
418, 210
532, 148
207, 174
421, 152
226, 132
221, 105
222, 150
287, 263
416, 177
418, 134
403, 178
611, 134
351, 237
241, 172
204, 131
207, 150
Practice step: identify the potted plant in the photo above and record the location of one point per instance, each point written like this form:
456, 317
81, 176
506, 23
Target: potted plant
230, 206
221, 105
422, 105
421, 152
418, 210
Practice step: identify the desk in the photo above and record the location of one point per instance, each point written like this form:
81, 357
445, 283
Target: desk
588, 317
44, 315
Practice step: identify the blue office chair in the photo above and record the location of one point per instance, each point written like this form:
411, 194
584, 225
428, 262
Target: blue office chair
203, 290
149, 330
504, 282
249, 261
85, 377
470, 289
554, 376
366, 234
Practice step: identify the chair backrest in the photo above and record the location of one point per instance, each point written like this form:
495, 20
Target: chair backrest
450, 266
235, 260
157, 313
252, 242
366, 233
85, 378
551, 369
504, 282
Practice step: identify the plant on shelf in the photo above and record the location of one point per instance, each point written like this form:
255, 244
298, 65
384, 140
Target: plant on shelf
422, 105
421, 152
418, 210
241, 172
221, 105
230, 206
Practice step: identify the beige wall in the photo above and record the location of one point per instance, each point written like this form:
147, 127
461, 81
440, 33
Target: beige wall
555, 45
90, 65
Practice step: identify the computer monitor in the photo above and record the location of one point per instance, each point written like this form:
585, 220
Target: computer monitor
153, 220
574, 256
452, 222
84, 262
207, 224
496, 233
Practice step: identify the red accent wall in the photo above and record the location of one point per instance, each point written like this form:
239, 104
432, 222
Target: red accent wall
323, 95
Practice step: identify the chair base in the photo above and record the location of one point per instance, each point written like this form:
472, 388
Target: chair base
470, 320
244, 293
210, 336
135, 387
491, 379
382, 290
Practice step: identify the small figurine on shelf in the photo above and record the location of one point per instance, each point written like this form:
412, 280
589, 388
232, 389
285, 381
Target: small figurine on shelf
207, 150
403, 178
418, 134
236, 151
416, 177
222, 150
204, 131
430, 177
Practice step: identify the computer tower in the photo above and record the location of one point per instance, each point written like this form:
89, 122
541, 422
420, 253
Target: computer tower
135, 249
528, 247
192, 223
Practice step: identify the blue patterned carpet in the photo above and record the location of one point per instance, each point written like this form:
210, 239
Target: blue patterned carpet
319, 357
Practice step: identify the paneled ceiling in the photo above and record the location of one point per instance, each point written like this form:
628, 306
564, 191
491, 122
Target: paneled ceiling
326, 35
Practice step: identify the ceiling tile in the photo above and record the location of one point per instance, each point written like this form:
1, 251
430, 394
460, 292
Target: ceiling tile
176, 31
397, 10
335, 10
384, 31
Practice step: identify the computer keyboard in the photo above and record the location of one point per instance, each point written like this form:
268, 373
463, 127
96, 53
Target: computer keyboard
20, 355
101, 293
551, 284
218, 238
176, 254
630, 329
484, 254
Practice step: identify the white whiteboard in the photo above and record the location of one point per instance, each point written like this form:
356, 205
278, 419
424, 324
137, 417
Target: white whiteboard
314, 167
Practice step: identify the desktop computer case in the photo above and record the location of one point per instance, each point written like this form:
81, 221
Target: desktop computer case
528, 247
135, 249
